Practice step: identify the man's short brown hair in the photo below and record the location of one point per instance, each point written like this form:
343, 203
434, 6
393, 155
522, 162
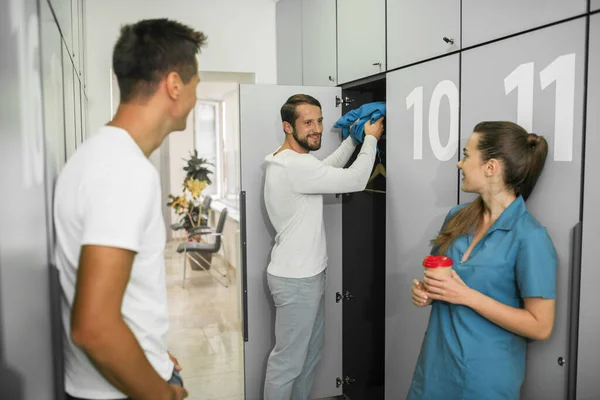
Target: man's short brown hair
288, 110
150, 49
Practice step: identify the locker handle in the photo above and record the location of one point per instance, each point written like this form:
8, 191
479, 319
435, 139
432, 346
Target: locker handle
244, 266
574, 310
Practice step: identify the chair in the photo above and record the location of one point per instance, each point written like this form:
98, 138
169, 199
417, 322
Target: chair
203, 215
206, 247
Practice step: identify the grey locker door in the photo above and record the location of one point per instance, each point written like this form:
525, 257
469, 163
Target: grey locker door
594, 5
484, 20
26, 354
319, 41
54, 123
416, 30
422, 147
541, 88
261, 133
289, 42
588, 365
52, 83
360, 39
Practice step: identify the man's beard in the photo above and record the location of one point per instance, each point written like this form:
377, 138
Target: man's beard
304, 142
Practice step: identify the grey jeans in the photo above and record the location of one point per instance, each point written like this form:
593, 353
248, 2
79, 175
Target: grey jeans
299, 336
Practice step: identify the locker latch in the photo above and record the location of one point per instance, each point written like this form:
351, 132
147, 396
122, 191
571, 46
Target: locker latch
339, 297
347, 100
345, 382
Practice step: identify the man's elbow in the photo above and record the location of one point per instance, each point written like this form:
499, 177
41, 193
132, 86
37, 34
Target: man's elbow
85, 334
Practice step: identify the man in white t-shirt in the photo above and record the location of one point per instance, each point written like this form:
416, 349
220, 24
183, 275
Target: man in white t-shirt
294, 184
110, 229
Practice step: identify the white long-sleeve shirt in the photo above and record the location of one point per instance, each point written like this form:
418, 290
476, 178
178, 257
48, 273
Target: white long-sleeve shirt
294, 188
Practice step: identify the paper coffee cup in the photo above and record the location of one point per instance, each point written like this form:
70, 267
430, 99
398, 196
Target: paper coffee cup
440, 264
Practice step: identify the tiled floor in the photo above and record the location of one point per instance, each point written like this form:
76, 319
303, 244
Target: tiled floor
205, 333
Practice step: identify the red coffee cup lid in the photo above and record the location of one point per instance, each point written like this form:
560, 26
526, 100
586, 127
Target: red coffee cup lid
437, 262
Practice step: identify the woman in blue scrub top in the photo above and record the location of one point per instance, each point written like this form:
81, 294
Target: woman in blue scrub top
502, 288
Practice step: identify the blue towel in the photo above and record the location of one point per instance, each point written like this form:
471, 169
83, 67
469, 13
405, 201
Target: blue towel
369, 111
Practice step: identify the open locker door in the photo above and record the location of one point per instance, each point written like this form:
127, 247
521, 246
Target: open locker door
261, 133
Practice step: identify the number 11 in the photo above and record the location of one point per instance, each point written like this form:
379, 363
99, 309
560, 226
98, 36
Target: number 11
561, 71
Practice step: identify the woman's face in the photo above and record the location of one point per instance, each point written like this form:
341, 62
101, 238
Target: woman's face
472, 167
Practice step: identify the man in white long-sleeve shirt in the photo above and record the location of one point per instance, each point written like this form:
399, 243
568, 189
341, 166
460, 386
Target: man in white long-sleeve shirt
294, 184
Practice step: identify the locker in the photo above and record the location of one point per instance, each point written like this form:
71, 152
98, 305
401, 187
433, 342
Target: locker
289, 42
588, 362
541, 88
594, 5
261, 133
319, 43
416, 30
363, 257
360, 39
422, 142
484, 20
26, 352
54, 124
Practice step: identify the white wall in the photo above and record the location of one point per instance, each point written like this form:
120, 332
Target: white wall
241, 38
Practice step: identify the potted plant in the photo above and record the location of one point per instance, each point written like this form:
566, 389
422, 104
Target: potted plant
188, 205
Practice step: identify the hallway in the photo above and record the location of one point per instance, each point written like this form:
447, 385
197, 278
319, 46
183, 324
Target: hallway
205, 331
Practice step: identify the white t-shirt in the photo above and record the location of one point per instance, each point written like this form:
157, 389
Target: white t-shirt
294, 188
109, 194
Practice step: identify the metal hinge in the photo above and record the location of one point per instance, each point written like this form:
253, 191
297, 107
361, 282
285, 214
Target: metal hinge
346, 382
337, 195
347, 100
345, 296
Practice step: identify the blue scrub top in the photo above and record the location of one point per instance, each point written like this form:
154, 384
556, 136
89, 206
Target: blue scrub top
464, 356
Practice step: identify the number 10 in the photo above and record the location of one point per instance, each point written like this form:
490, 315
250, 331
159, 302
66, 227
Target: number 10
415, 99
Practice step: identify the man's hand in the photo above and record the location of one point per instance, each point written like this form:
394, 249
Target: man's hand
178, 393
375, 129
177, 366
